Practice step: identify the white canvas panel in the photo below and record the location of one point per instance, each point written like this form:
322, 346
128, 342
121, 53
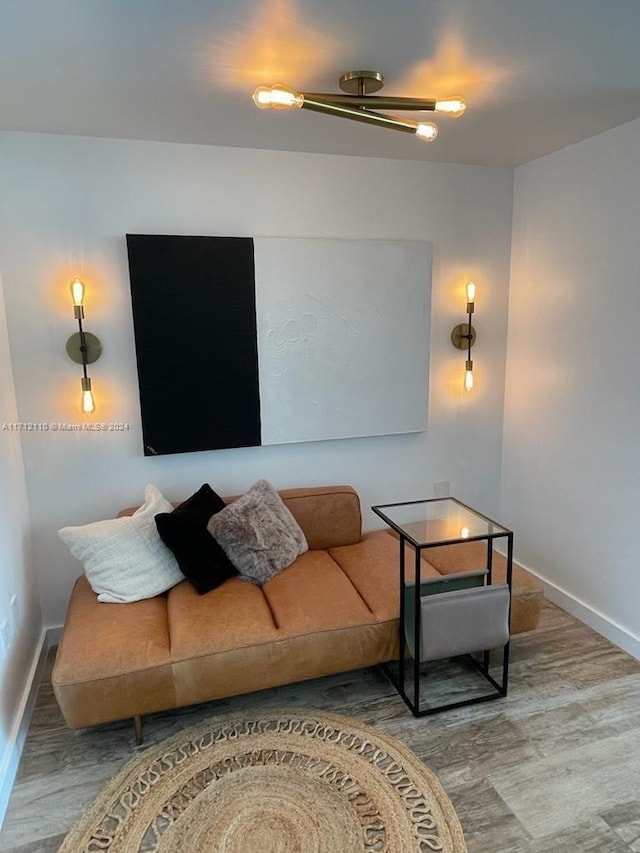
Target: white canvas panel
343, 337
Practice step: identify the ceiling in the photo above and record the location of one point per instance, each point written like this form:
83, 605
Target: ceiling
537, 74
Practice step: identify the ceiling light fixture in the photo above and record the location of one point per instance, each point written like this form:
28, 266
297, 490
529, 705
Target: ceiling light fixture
360, 104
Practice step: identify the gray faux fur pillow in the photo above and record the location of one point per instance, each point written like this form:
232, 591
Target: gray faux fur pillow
258, 533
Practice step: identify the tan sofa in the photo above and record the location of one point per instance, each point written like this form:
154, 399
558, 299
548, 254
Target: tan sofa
334, 609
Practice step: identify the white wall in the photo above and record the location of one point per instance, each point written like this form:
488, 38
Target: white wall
16, 576
571, 464
67, 204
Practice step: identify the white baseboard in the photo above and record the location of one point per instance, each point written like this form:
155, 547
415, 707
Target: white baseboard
622, 637
53, 635
18, 734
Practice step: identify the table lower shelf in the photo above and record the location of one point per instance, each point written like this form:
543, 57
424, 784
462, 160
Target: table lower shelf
447, 684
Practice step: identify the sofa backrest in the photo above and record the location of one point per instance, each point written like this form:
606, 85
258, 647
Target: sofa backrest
329, 515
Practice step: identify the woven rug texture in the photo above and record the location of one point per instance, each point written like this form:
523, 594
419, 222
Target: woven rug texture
275, 781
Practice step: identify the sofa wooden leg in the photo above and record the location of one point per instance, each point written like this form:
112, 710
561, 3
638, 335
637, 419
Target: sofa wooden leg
137, 724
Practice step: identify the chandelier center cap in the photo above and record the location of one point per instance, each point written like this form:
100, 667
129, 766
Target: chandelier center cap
361, 82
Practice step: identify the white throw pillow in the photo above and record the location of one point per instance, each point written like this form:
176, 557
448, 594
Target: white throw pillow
124, 558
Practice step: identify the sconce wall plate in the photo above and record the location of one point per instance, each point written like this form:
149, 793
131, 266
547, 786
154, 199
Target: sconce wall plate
460, 336
92, 344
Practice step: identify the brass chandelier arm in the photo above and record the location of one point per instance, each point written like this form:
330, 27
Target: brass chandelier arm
376, 102
329, 108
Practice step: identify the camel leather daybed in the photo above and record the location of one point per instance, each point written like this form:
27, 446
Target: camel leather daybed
334, 609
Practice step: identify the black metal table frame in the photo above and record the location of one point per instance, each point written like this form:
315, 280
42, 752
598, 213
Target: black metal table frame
500, 688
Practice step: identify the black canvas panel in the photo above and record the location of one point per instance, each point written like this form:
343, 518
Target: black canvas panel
194, 315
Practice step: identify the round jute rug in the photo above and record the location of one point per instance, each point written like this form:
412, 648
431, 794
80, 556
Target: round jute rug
274, 781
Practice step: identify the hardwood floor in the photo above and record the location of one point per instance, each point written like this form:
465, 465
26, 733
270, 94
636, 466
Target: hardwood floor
554, 767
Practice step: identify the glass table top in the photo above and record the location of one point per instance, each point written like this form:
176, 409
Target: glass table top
437, 521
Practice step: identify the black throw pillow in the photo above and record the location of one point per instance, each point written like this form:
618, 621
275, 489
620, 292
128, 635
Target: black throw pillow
184, 531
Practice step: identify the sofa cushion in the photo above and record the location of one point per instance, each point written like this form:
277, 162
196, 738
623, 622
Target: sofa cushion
464, 557
373, 567
123, 637
234, 615
184, 531
124, 558
314, 594
110, 653
258, 533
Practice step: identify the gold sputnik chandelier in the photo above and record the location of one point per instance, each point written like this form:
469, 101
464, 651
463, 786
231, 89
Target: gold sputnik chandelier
359, 103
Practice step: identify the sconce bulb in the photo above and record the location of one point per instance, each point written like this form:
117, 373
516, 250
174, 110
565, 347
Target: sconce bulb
465, 533
471, 292
427, 131
77, 292
454, 106
87, 404
468, 380
277, 97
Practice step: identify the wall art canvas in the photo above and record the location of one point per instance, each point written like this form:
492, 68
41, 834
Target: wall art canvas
246, 341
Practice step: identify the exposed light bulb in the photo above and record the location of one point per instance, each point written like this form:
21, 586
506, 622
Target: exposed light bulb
262, 97
88, 404
277, 97
471, 292
468, 380
454, 106
465, 533
77, 292
427, 130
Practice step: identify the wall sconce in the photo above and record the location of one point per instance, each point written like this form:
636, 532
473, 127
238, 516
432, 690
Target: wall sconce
83, 347
464, 336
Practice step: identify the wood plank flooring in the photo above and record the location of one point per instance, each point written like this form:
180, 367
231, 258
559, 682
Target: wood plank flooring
554, 767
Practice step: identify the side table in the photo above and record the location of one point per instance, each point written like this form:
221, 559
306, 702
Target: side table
447, 521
